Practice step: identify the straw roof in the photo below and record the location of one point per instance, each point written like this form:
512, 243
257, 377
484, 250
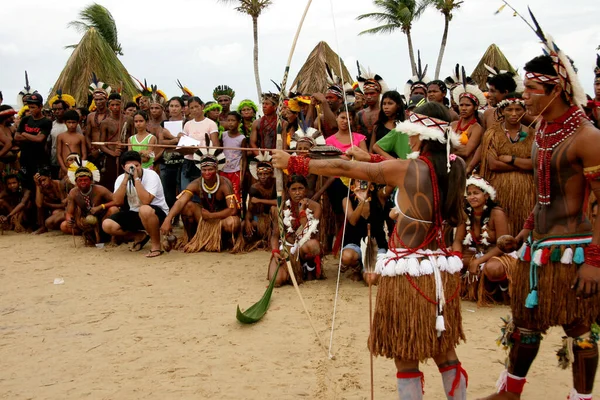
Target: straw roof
93, 54
493, 57
312, 77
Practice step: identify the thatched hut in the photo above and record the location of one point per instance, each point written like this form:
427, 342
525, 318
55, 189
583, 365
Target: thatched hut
493, 57
312, 77
93, 54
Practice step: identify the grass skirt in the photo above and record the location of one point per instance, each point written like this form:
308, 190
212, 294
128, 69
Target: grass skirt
404, 322
476, 288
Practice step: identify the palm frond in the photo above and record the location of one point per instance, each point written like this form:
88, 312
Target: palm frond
251, 7
98, 17
93, 54
389, 28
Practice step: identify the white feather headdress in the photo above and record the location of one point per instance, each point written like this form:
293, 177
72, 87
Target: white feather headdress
420, 79
477, 181
261, 158
366, 77
311, 135
25, 92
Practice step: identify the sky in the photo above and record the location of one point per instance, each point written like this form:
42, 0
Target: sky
205, 43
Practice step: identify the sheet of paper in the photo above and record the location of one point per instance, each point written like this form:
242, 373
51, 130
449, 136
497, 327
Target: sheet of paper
188, 141
174, 127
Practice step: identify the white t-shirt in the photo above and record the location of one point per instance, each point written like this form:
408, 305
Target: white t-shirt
57, 129
150, 182
198, 129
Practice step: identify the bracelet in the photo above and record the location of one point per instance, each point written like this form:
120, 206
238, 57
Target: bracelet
592, 255
138, 179
103, 206
529, 223
377, 158
275, 251
512, 160
298, 165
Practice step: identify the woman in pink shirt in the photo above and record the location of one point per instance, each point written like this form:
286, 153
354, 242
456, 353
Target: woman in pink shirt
342, 138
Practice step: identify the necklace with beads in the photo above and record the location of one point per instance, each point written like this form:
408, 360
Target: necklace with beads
210, 190
550, 135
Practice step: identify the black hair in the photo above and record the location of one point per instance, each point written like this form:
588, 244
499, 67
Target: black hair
130, 104
143, 113
451, 184
504, 83
84, 111
11, 175
235, 114
5, 107
440, 84
476, 109
544, 65
351, 111
71, 115
114, 96
396, 98
130, 156
195, 99
297, 179
1, 97
177, 99
63, 103
487, 210
45, 171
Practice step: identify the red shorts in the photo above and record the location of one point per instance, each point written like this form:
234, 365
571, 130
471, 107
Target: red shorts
234, 177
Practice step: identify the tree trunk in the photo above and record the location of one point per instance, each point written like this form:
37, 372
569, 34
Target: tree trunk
411, 53
256, 75
442, 47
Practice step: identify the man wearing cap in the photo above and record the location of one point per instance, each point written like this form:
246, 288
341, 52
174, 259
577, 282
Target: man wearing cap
141, 191
31, 136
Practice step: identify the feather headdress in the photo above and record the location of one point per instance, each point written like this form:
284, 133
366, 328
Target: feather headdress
25, 92
478, 181
70, 100
419, 80
98, 86
143, 89
209, 157
470, 91
223, 90
335, 84
184, 89
261, 163
157, 96
597, 69
493, 71
83, 168
310, 135
566, 76
369, 80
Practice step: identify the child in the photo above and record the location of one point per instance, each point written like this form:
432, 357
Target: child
143, 140
235, 159
70, 142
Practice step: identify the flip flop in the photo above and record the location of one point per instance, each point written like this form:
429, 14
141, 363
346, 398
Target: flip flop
138, 246
154, 253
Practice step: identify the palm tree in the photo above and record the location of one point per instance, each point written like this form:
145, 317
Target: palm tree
253, 8
446, 7
396, 14
98, 17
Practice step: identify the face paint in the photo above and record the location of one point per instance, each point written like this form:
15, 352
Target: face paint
208, 174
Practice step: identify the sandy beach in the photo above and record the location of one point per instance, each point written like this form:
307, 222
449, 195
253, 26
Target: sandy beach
125, 327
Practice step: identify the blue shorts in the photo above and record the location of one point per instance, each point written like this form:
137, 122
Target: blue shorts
356, 248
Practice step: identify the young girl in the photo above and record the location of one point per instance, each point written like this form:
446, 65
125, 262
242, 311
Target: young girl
468, 126
143, 140
341, 139
235, 160
390, 113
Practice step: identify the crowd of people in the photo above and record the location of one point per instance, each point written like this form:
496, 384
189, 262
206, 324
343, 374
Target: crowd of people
488, 197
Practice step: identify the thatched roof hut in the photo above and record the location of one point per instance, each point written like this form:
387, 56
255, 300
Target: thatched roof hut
93, 54
493, 57
312, 77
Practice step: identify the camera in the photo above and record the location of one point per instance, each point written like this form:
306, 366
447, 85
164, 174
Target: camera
131, 170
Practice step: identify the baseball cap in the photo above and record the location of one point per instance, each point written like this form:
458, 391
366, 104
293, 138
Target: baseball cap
34, 98
415, 101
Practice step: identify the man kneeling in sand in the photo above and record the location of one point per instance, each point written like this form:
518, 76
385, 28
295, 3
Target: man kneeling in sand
216, 212
15, 204
145, 209
87, 204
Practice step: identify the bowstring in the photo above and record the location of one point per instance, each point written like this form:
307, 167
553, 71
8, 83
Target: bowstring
339, 270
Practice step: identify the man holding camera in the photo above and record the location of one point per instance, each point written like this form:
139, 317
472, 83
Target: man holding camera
140, 194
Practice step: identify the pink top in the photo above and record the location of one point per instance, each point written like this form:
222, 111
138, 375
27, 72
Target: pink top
356, 138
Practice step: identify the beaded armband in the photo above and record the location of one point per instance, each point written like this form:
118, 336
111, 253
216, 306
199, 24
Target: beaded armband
592, 173
232, 201
298, 165
376, 158
586, 341
510, 334
529, 223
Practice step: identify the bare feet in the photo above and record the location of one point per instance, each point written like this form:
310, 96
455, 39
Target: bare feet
43, 229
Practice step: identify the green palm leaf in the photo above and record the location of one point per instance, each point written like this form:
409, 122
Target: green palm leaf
98, 17
256, 311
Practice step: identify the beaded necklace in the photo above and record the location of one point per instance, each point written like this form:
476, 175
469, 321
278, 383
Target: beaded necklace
87, 197
520, 136
212, 189
461, 129
549, 136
